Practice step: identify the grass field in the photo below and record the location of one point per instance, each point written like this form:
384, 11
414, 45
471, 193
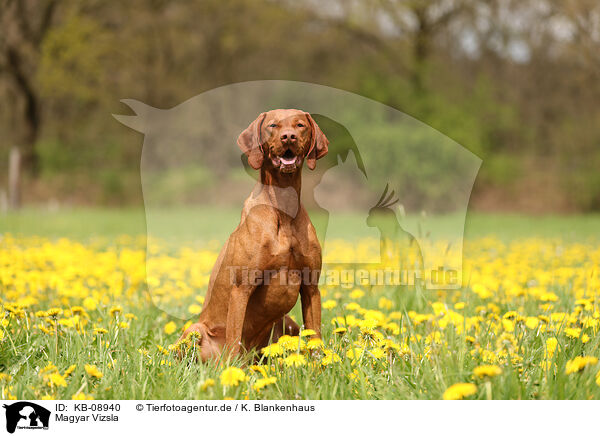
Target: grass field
80, 224
78, 322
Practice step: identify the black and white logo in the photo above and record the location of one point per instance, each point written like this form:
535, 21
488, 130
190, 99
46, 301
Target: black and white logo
26, 415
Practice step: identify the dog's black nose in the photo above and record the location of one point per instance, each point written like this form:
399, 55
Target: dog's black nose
288, 136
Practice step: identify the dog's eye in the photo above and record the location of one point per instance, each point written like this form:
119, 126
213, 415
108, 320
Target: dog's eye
300, 125
272, 125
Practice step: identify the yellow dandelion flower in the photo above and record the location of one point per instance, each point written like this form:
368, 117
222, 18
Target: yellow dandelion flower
353, 306
573, 332
57, 380
69, 370
385, 303
262, 369
291, 343
532, 322
273, 350
367, 325
78, 310
170, 327
314, 344
115, 310
194, 309
329, 358
388, 344
354, 353
308, 332
49, 368
195, 336
209, 382
232, 376
90, 303
579, 363
262, 382
329, 304
54, 312
81, 397
377, 353
357, 294
487, 371
508, 325
459, 391
353, 375
295, 360
162, 349
551, 344
392, 327
93, 371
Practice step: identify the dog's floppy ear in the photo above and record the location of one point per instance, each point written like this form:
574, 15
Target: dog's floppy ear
318, 144
250, 142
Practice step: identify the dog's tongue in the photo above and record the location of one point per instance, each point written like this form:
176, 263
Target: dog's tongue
289, 161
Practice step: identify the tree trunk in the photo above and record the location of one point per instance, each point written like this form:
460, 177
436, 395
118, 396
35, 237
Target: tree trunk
421, 45
31, 119
14, 178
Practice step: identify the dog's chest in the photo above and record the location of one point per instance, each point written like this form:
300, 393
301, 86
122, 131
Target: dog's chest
288, 250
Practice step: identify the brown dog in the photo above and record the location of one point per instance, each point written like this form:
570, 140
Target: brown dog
274, 254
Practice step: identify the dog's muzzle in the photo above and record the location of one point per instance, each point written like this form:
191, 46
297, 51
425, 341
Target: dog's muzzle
287, 163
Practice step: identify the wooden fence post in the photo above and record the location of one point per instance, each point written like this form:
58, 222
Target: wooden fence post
14, 178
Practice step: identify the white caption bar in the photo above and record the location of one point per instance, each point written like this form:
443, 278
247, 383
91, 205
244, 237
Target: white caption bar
297, 417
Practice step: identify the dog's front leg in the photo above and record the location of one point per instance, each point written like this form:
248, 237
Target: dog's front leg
310, 297
238, 300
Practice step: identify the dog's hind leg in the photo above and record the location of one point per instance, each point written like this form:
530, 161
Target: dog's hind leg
285, 326
289, 326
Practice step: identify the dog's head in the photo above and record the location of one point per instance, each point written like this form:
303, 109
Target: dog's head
282, 139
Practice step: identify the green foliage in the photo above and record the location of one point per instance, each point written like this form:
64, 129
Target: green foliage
500, 170
72, 60
179, 186
83, 223
92, 55
583, 182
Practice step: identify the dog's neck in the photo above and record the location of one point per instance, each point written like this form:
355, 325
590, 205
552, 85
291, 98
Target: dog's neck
282, 191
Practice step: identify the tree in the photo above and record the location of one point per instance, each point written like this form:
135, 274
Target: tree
24, 24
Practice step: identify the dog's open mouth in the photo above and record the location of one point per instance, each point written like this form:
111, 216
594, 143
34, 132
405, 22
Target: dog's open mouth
287, 162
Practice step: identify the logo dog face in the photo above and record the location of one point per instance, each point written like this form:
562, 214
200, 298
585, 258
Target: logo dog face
31, 412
